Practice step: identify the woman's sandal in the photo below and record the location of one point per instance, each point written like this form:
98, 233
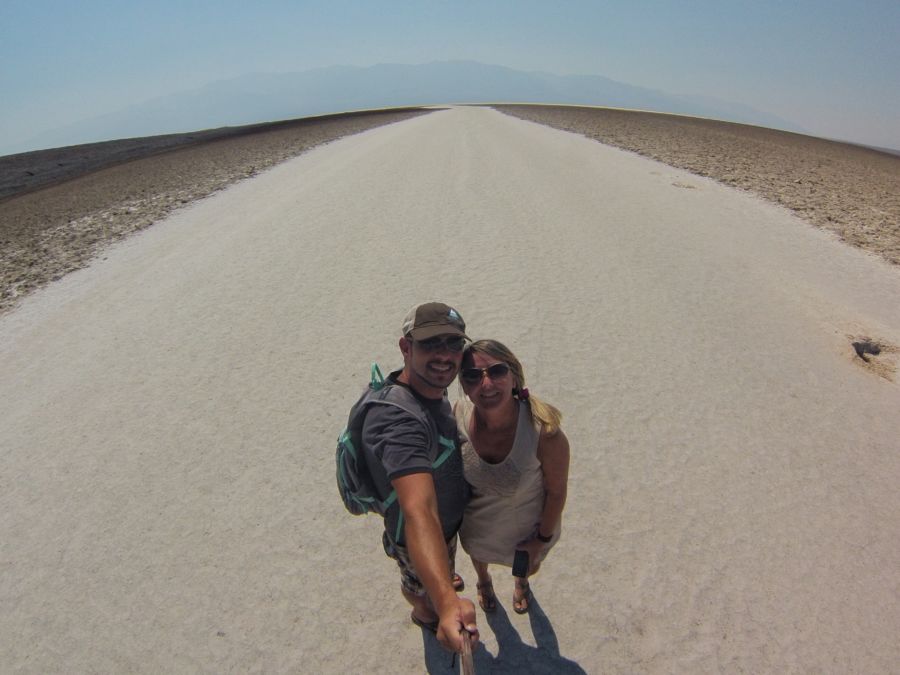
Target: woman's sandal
487, 600
457, 582
520, 605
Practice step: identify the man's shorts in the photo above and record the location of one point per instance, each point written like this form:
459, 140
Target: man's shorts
408, 578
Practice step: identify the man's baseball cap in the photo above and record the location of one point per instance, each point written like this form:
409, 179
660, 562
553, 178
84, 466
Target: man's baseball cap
433, 318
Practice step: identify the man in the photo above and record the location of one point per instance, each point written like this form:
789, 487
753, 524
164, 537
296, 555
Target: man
420, 529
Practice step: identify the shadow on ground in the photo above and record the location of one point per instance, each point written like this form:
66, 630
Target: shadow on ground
514, 655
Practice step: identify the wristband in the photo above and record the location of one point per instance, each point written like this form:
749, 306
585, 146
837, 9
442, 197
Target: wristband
542, 538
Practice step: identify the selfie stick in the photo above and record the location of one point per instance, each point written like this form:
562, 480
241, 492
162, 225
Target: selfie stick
468, 668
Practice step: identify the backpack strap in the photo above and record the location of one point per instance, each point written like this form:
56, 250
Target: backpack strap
448, 446
361, 479
410, 404
377, 379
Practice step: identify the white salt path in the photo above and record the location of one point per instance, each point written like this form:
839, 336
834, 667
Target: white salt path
168, 416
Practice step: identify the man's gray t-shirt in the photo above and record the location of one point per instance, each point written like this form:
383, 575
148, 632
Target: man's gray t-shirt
402, 445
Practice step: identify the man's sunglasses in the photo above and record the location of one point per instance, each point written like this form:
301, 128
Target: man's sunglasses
455, 343
476, 375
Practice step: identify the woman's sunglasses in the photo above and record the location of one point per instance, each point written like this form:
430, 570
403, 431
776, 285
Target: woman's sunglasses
476, 375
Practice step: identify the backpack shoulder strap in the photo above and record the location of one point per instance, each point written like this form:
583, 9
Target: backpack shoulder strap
441, 448
385, 393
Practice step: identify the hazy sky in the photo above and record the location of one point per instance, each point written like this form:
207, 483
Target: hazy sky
831, 66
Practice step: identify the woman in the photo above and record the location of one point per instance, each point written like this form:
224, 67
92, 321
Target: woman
516, 458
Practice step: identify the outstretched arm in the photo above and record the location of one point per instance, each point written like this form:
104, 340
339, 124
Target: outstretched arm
428, 551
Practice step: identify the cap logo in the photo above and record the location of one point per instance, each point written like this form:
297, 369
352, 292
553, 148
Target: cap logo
453, 315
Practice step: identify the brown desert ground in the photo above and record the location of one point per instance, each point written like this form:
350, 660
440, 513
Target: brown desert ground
60, 207
848, 189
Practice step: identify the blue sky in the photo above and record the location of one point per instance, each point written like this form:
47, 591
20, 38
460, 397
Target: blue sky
832, 66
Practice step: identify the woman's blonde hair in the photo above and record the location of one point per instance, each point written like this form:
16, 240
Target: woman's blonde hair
548, 415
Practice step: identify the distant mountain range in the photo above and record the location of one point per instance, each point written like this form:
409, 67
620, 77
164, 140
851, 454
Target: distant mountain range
264, 97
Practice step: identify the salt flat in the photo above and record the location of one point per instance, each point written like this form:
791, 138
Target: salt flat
167, 418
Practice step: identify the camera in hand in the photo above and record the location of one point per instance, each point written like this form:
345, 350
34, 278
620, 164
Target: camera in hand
520, 564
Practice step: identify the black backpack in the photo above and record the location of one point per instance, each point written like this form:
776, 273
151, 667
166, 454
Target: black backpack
358, 488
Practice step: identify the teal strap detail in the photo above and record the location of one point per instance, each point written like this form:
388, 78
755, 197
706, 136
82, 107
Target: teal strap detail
377, 381
347, 443
399, 527
449, 446
391, 498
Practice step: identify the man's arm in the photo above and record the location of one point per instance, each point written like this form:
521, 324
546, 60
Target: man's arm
428, 551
